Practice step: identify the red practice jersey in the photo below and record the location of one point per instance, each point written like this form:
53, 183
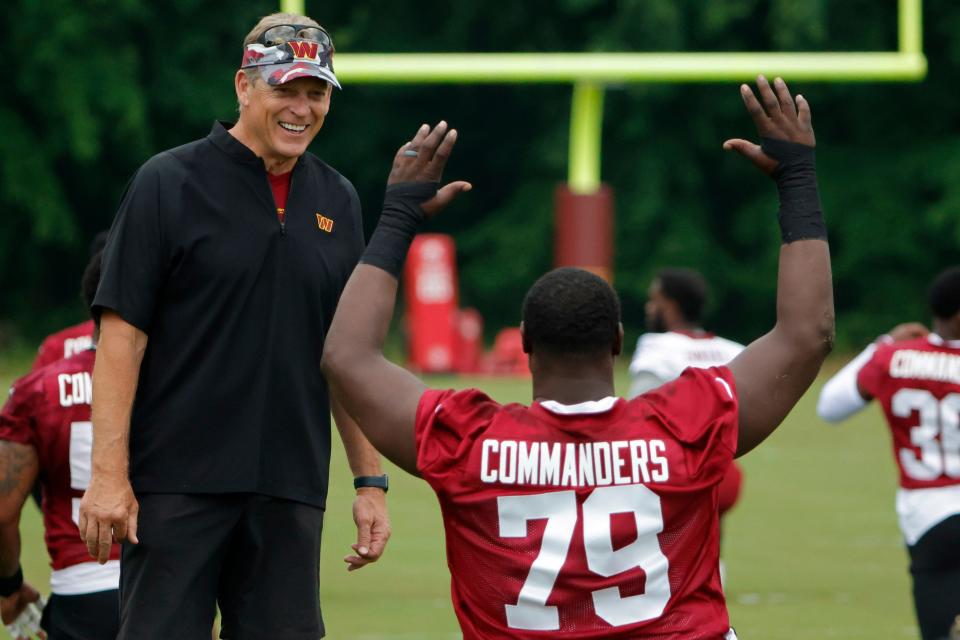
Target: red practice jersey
64, 344
666, 355
917, 382
597, 520
49, 409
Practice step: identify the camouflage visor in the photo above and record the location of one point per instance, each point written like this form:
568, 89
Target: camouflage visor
291, 60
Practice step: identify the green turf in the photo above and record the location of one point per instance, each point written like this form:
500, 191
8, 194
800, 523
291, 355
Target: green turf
812, 550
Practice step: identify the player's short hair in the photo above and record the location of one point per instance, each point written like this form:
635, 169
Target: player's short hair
944, 293
687, 288
571, 311
273, 20
90, 281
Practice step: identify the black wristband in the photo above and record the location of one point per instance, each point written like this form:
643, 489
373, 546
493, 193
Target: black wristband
398, 225
801, 217
10, 584
374, 482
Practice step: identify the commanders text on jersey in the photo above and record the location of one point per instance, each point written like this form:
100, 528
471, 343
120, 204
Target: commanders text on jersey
925, 365
573, 465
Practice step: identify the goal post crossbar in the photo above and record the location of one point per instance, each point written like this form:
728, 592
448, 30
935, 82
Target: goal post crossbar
503, 68
590, 72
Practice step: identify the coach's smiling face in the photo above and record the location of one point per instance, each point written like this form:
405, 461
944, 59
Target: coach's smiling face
279, 122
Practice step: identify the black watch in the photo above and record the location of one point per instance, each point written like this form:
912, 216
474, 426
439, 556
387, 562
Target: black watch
375, 482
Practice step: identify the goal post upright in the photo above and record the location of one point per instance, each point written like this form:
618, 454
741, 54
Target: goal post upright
910, 27
292, 6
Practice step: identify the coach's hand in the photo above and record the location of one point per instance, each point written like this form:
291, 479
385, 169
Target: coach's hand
780, 118
373, 528
423, 160
108, 513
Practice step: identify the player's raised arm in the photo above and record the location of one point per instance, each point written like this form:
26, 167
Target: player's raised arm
774, 371
381, 396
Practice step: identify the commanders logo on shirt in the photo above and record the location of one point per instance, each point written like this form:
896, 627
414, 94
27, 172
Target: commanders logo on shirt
325, 223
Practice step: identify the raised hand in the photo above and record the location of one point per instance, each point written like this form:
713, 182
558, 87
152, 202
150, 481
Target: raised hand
779, 117
423, 160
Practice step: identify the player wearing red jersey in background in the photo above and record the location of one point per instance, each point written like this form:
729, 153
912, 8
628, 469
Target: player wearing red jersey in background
676, 340
72, 340
65, 343
45, 433
916, 378
585, 515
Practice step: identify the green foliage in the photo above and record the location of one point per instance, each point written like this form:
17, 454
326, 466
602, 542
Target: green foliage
99, 87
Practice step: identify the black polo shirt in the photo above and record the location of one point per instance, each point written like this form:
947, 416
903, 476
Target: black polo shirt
236, 307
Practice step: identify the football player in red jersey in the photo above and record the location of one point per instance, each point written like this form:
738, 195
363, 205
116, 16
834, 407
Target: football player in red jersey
586, 515
45, 433
65, 343
72, 340
915, 376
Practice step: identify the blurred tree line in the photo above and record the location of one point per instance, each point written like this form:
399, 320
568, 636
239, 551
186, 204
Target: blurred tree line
97, 87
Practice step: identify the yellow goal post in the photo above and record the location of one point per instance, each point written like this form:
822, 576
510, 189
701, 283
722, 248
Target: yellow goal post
588, 73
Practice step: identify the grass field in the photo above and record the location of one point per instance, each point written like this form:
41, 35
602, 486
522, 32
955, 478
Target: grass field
812, 549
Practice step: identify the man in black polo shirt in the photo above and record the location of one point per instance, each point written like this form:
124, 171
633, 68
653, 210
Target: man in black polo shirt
221, 275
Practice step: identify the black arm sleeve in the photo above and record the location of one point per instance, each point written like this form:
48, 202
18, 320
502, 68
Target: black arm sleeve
399, 221
801, 216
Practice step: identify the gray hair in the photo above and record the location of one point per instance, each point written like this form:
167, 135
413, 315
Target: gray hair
273, 20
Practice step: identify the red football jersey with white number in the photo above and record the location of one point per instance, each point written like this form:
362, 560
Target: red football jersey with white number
49, 409
596, 520
917, 382
65, 343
